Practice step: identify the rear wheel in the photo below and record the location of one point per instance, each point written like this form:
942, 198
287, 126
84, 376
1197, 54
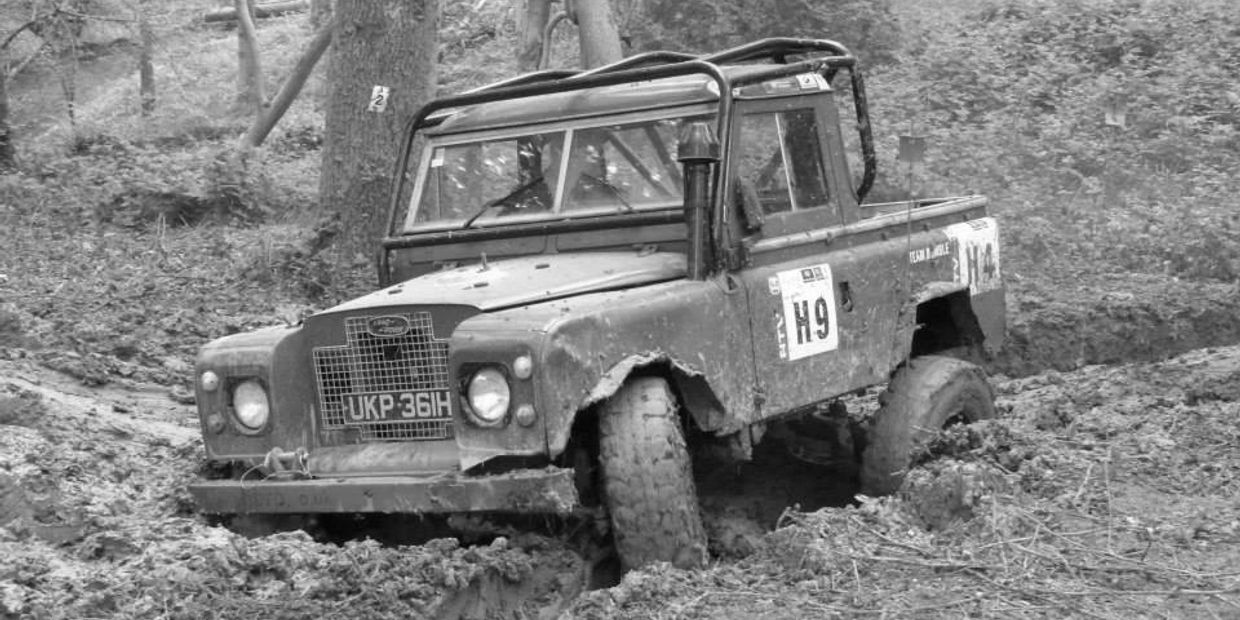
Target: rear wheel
648, 478
928, 394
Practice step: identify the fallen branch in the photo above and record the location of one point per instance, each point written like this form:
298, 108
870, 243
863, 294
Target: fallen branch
269, 116
270, 9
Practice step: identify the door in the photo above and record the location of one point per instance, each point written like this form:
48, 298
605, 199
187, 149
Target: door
824, 300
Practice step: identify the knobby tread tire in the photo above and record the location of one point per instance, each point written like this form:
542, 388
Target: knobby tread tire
922, 397
648, 478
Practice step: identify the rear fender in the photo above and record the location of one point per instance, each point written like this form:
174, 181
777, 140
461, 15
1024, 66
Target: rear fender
943, 315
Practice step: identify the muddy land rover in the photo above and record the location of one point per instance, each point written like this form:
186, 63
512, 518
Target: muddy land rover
592, 275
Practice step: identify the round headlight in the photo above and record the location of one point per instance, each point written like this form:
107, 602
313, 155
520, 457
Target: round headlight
250, 404
488, 396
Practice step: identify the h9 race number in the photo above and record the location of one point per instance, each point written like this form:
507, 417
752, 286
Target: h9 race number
806, 323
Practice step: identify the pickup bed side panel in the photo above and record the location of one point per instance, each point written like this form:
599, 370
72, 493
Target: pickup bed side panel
835, 310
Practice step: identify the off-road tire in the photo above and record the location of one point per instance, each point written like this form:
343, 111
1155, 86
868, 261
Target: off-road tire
924, 396
648, 478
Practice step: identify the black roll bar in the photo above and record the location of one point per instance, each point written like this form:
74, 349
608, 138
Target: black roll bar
826, 58
546, 87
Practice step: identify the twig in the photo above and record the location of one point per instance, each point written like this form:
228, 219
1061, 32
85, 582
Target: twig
1178, 592
1226, 600
1029, 593
1106, 476
1084, 481
925, 564
894, 543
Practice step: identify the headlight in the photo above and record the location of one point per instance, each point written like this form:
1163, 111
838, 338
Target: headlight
250, 404
488, 395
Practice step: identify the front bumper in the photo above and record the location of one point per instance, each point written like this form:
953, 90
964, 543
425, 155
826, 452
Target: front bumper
540, 491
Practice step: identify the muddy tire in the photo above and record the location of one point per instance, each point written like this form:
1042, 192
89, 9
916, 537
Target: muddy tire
648, 478
926, 395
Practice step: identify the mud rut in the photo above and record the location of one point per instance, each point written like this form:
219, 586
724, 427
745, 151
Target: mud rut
98, 523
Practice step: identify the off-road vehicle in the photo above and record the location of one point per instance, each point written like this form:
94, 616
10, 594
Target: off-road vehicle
586, 268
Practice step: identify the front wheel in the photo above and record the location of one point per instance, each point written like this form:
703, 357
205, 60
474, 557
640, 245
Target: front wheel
926, 395
648, 478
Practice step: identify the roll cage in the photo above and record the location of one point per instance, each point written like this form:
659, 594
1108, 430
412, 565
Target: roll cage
790, 56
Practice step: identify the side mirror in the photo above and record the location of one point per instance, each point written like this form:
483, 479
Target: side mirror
746, 196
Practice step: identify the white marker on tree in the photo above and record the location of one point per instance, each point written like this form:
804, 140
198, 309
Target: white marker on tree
378, 99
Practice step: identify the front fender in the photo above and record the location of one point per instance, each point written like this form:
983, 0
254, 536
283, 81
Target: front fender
276, 357
585, 347
697, 329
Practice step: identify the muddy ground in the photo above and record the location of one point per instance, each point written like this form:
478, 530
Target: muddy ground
1103, 491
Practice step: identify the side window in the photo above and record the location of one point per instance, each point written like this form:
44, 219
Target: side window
781, 159
762, 161
809, 181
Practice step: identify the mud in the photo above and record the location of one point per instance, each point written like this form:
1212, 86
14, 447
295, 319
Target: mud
1106, 492
1113, 319
1101, 491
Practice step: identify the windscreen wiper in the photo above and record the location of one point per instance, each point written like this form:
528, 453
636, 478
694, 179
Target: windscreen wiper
502, 200
611, 189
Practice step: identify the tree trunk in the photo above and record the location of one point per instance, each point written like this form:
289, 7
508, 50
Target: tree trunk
268, 118
146, 69
8, 155
250, 94
537, 12
320, 13
377, 43
600, 40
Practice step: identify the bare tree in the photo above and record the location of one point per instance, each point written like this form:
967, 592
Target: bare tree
380, 70
600, 40
8, 154
533, 22
271, 114
250, 95
320, 13
146, 67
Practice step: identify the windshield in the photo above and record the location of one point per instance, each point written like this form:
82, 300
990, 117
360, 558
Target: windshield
499, 179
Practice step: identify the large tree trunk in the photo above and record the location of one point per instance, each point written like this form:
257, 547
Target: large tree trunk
600, 40
537, 12
250, 93
378, 43
268, 118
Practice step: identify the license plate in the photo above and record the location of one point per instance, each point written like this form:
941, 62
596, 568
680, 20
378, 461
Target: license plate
396, 406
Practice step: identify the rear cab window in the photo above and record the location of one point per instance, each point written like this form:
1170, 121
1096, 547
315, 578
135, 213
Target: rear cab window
782, 159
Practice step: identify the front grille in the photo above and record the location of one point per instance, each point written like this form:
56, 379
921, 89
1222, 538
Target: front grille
369, 364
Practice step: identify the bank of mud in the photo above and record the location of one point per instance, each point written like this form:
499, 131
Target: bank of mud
1113, 319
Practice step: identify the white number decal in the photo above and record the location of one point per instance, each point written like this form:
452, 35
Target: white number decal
806, 324
977, 254
378, 99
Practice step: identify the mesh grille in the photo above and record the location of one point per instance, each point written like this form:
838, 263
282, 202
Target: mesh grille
412, 362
